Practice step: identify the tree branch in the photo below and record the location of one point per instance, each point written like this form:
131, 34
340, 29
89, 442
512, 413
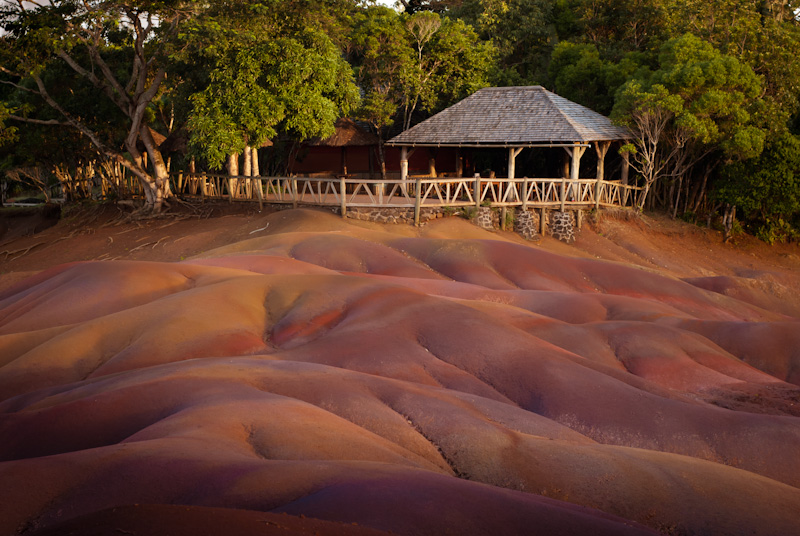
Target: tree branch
70, 120
96, 82
39, 121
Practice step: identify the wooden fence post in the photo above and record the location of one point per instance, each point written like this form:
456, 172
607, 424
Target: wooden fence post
343, 196
259, 193
294, 193
563, 193
417, 200
477, 190
597, 195
525, 194
542, 220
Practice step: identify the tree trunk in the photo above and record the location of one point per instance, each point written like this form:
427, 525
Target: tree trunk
233, 171
254, 159
677, 198
643, 196
248, 170
702, 193
382, 159
160, 180
727, 222
248, 163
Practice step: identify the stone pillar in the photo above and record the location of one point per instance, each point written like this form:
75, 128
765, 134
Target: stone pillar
562, 226
527, 224
484, 219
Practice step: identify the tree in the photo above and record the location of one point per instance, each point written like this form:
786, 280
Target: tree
697, 102
579, 73
614, 26
264, 73
522, 32
405, 64
764, 35
767, 189
118, 48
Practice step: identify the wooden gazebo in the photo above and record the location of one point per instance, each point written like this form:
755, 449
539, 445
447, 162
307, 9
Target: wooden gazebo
515, 118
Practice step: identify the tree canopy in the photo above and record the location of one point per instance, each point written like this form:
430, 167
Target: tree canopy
711, 87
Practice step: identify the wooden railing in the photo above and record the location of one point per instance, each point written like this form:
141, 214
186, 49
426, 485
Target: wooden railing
417, 192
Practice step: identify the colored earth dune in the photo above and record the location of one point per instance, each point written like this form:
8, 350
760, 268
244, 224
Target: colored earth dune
340, 380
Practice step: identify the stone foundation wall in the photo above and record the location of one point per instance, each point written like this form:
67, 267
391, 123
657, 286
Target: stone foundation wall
562, 225
393, 215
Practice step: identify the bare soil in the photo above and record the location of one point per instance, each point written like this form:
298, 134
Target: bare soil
32, 240
218, 369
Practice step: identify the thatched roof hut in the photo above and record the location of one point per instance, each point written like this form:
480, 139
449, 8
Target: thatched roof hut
512, 117
515, 118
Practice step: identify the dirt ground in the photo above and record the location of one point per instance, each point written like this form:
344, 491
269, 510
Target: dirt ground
31, 242
306, 373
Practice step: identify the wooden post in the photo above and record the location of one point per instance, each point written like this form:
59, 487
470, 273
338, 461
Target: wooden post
503, 214
417, 200
601, 147
626, 164
343, 196
294, 193
259, 193
476, 192
579, 218
574, 175
525, 194
542, 220
403, 170
512, 170
203, 187
563, 192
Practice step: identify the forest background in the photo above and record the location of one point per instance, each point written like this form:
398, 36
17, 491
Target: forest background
711, 89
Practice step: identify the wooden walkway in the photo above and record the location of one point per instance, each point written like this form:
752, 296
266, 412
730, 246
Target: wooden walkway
417, 193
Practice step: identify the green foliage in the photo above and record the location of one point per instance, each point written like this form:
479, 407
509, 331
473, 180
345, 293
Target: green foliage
579, 74
767, 188
8, 133
522, 31
422, 61
697, 102
264, 75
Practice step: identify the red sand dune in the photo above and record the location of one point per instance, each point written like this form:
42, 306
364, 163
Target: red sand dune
346, 381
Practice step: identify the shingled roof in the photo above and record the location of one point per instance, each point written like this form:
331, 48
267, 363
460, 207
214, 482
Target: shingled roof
509, 117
